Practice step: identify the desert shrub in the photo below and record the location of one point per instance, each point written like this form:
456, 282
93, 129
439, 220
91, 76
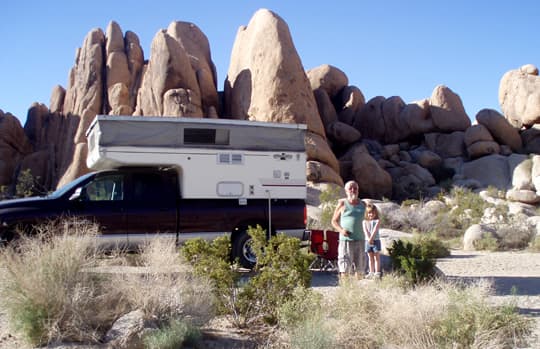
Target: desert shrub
281, 267
175, 335
486, 243
438, 314
412, 216
495, 192
26, 184
46, 291
165, 287
304, 304
212, 259
411, 260
468, 208
514, 234
302, 319
430, 246
470, 322
410, 202
313, 333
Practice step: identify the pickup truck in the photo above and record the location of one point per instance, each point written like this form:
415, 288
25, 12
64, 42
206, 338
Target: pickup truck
131, 204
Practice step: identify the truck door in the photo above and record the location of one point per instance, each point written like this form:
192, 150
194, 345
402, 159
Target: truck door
102, 201
152, 206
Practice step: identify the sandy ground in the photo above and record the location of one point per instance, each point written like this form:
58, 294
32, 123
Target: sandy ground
515, 276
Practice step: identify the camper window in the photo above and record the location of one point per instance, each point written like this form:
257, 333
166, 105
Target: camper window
206, 136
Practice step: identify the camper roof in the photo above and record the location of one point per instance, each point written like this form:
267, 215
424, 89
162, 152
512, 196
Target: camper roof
148, 131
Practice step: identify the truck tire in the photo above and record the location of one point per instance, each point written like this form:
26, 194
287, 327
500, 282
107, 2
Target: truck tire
242, 251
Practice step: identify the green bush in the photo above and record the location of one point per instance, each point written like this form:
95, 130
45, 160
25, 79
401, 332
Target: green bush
175, 335
468, 208
281, 267
412, 260
486, 243
211, 259
430, 246
304, 304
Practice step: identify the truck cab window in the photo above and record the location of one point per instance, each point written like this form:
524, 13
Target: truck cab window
153, 187
105, 188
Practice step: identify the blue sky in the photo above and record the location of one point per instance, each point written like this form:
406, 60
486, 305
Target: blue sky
386, 48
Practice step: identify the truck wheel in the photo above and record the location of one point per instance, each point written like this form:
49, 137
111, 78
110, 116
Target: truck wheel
242, 250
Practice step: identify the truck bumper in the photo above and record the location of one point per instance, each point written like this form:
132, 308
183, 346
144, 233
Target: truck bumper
296, 233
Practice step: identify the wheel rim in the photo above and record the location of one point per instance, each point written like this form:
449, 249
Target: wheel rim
247, 252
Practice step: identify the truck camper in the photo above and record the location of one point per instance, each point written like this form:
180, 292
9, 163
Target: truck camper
182, 178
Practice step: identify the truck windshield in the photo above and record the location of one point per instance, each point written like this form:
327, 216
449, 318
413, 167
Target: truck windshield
61, 191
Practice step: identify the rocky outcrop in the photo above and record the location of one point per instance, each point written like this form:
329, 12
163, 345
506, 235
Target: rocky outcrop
519, 96
196, 44
124, 64
83, 101
500, 128
169, 86
14, 145
266, 80
447, 110
328, 78
46, 132
479, 142
393, 148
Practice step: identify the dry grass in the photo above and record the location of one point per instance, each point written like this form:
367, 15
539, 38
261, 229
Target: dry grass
165, 288
52, 292
45, 292
436, 315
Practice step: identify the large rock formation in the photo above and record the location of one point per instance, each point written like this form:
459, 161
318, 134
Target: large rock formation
391, 147
83, 101
519, 96
267, 82
500, 128
447, 110
14, 145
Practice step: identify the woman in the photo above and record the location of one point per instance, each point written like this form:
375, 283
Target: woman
373, 241
347, 220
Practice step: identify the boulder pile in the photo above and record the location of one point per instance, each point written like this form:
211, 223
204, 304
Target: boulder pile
392, 148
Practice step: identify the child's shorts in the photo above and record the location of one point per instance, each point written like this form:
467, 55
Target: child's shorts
375, 247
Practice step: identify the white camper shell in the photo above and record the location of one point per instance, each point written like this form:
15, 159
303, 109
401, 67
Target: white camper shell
215, 158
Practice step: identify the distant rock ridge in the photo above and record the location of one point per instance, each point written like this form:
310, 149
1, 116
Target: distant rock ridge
392, 148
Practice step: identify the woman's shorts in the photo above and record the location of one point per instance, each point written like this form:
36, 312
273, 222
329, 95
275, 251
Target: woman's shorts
375, 247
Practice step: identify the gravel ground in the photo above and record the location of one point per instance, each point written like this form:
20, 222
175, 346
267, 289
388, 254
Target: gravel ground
515, 275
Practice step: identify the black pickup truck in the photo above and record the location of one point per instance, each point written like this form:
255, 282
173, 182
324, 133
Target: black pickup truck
133, 204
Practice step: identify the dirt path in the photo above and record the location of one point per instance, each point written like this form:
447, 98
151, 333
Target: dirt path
515, 276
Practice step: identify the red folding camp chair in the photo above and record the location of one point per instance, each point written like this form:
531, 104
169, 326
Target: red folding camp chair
324, 243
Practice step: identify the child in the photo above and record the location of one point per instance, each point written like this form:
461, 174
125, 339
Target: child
373, 241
